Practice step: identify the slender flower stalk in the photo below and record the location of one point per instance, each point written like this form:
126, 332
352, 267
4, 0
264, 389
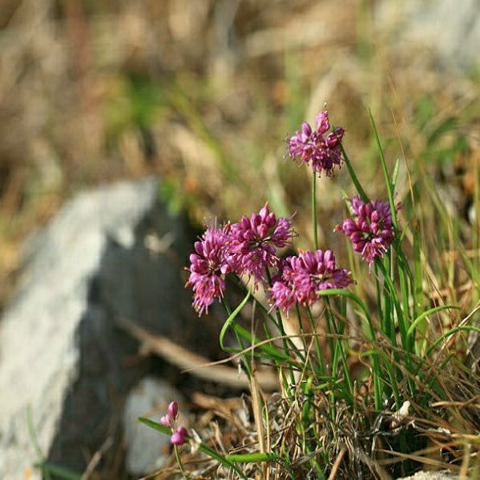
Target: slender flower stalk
179, 461
314, 210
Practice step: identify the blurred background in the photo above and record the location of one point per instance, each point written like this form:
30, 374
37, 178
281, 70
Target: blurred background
205, 92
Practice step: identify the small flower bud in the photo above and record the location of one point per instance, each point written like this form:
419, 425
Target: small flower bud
166, 421
172, 410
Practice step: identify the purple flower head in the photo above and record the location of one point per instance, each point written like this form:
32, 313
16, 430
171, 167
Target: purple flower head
311, 146
370, 229
179, 437
254, 241
208, 267
304, 276
281, 291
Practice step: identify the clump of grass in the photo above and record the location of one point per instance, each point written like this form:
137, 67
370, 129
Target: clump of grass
374, 378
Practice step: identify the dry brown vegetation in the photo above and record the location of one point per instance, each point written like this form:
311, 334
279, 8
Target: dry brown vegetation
201, 93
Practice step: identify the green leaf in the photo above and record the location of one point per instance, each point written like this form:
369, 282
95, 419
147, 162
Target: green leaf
156, 426
252, 458
355, 299
386, 174
60, 472
221, 459
353, 176
268, 349
231, 319
426, 314
378, 388
451, 332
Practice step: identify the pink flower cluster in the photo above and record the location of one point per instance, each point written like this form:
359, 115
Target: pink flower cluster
251, 247
248, 247
208, 267
311, 146
180, 434
255, 240
370, 229
303, 277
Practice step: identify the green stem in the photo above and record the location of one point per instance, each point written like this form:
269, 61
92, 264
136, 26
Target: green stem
314, 209
392, 293
231, 318
267, 313
353, 176
179, 462
286, 341
221, 458
386, 174
376, 366
339, 345
317, 341
279, 321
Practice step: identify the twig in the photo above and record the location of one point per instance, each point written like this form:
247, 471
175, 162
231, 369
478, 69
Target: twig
196, 364
95, 460
337, 464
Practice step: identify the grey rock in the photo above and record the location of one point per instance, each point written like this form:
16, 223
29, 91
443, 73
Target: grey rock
146, 448
63, 357
448, 28
431, 476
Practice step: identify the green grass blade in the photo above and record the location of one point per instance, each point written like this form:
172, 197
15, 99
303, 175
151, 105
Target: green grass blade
221, 459
355, 299
58, 471
252, 458
426, 314
353, 176
451, 332
156, 426
388, 180
231, 318
377, 377
268, 349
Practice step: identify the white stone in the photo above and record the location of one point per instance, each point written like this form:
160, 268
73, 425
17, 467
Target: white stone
431, 476
147, 448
